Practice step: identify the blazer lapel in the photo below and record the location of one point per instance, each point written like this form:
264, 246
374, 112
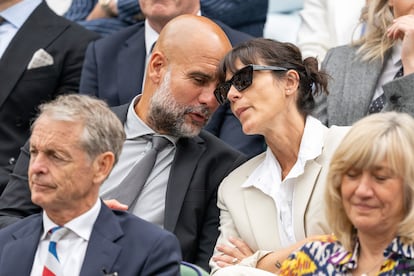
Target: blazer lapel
102, 251
188, 153
23, 248
305, 184
262, 214
18, 54
131, 62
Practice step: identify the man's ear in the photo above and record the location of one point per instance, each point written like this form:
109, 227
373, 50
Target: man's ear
102, 166
156, 66
292, 82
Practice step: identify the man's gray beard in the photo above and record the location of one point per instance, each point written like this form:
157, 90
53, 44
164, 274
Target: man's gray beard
165, 114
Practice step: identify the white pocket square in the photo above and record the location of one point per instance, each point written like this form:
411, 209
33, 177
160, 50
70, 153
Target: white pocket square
39, 59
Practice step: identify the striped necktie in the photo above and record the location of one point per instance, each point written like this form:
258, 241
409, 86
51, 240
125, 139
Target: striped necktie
52, 265
377, 104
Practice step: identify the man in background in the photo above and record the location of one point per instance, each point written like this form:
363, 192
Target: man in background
41, 56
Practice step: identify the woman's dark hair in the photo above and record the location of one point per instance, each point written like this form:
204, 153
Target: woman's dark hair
265, 51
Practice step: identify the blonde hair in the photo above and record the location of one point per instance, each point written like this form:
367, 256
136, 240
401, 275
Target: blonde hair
371, 140
377, 16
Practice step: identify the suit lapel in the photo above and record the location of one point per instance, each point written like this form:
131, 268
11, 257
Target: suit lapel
102, 251
131, 62
23, 248
18, 54
305, 184
262, 215
188, 153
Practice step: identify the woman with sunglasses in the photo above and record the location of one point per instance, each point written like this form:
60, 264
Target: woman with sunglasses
271, 203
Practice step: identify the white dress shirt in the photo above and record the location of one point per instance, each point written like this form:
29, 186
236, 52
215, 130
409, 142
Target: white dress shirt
150, 205
267, 177
71, 249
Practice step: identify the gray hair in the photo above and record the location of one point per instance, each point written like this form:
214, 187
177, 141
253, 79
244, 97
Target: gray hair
103, 131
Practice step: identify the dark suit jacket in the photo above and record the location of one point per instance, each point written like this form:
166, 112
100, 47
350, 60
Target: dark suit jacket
119, 242
191, 213
22, 90
114, 70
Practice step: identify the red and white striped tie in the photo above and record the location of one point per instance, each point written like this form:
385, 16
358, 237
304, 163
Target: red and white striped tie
52, 265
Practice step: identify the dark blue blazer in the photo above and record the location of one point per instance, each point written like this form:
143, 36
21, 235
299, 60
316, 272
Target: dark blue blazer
114, 70
119, 242
191, 213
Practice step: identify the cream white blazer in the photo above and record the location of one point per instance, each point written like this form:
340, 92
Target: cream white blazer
251, 215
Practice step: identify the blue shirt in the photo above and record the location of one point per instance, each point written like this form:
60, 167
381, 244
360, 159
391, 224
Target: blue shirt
15, 16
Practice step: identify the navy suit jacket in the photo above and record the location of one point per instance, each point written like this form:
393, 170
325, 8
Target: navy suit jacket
119, 242
191, 212
22, 89
114, 70
231, 12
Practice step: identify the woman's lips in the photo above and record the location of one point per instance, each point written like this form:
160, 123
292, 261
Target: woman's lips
240, 110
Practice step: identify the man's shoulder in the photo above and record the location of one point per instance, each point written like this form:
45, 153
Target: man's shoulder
122, 36
49, 19
22, 227
121, 111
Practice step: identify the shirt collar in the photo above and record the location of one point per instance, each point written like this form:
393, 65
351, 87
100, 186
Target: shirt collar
151, 37
82, 226
396, 53
18, 13
310, 148
134, 126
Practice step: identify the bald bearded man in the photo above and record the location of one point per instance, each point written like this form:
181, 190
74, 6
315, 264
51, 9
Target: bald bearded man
180, 193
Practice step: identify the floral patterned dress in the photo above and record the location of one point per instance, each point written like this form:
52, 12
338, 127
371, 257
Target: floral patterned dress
328, 257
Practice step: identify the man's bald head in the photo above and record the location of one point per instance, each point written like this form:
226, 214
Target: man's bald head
192, 32
183, 67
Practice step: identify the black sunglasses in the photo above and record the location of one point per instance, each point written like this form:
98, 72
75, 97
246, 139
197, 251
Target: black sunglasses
241, 80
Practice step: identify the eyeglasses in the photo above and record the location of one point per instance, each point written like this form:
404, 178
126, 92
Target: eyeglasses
241, 80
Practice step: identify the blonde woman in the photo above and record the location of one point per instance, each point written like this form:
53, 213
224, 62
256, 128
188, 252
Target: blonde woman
370, 193
367, 76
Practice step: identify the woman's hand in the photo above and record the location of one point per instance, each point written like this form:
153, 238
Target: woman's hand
403, 28
231, 255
